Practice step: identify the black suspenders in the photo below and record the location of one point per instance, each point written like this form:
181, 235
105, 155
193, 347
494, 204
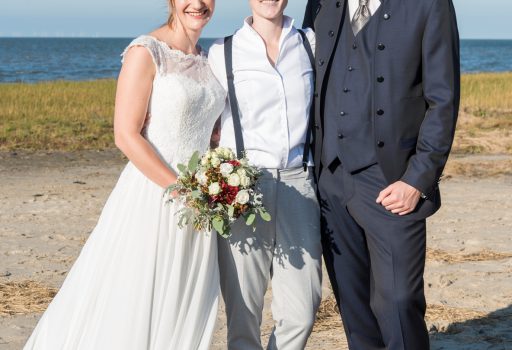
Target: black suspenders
311, 117
235, 111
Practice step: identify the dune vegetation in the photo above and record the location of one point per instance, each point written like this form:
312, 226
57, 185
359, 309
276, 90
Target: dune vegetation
70, 116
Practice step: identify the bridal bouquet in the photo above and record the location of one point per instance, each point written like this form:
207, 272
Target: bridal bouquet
217, 189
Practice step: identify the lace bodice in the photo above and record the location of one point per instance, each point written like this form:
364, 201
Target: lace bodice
186, 100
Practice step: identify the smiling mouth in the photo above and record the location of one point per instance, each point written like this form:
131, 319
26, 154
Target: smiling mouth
198, 14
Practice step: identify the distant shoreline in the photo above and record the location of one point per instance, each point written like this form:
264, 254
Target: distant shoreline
206, 38
35, 59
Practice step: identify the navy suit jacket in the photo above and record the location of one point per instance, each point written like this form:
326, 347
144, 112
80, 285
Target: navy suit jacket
417, 52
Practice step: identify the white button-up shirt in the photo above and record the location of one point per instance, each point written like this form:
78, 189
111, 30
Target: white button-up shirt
373, 6
274, 102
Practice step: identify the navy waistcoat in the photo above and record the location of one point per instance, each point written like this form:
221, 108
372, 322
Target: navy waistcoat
349, 99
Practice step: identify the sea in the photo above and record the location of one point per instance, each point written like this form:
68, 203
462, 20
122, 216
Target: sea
33, 60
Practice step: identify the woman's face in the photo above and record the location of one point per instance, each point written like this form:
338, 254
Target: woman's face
268, 9
193, 14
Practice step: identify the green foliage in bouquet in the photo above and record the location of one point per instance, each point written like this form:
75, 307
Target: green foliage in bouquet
217, 189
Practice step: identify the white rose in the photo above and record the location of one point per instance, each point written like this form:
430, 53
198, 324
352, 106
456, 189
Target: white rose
228, 153
214, 189
201, 178
220, 151
215, 161
245, 181
234, 180
205, 160
224, 152
242, 197
241, 172
226, 169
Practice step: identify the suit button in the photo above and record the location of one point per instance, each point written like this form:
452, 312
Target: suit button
338, 4
354, 46
380, 79
350, 68
321, 62
380, 112
345, 90
380, 144
343, 113
340, 136
387, 16
331, 33
317, 127
381, 47
315, 94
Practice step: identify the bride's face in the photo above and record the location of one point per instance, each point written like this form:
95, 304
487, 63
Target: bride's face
193, 14
268, 9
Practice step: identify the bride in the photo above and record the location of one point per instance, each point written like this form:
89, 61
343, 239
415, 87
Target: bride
141, 282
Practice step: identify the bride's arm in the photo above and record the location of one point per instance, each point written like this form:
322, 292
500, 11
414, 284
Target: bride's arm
133, 93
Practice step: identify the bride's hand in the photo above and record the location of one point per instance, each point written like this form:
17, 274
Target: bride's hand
173, 195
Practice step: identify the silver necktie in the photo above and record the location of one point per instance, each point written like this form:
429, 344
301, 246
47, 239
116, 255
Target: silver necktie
361, 17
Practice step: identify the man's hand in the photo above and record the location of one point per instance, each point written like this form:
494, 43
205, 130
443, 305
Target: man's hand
399, 198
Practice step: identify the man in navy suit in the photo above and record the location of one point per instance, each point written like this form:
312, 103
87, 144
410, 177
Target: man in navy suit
386, 105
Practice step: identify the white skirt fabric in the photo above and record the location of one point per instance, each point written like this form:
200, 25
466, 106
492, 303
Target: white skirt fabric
140, 282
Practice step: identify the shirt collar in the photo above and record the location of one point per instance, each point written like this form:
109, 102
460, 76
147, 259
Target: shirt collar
287, 26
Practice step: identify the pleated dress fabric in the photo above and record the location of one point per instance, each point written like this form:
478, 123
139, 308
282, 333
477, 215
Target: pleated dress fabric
140, 281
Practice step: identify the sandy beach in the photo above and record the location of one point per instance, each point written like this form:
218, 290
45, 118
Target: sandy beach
50, 202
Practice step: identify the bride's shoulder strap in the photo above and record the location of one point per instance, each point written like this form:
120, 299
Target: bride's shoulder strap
152, 45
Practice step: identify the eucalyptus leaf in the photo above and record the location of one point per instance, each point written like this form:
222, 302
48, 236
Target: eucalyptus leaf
250, 219
193, 162
182, 168
265, 215
195, 194
172, 188
227, 233
231, 211
218, 225
183, 220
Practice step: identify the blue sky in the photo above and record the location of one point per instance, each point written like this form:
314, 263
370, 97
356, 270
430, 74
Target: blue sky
481, 19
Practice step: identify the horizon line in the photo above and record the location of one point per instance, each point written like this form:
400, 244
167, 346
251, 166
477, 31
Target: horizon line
131, 37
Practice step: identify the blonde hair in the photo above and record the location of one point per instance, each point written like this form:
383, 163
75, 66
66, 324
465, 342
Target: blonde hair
170, 18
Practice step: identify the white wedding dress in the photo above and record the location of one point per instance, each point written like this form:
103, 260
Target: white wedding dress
140, 281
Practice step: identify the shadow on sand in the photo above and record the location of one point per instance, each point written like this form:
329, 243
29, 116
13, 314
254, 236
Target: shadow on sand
490, 332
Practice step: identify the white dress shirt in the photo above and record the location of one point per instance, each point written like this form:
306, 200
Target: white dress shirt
373, 6
274, 102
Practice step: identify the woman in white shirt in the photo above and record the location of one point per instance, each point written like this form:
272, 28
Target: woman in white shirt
273, 84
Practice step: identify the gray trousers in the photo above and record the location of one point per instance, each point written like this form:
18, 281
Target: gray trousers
286, 251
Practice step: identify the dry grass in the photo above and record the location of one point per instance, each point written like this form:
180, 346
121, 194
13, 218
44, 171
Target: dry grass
485, 121
57, 115
328, 317
490, 134
452, 314
71, 116
485, 94
479, 168
454, 258
25, 297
